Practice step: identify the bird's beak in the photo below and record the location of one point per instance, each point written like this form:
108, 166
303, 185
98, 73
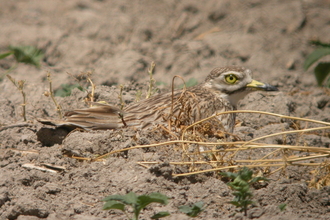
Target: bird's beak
256, 85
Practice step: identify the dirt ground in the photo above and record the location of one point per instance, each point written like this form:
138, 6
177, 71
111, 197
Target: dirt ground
117, 40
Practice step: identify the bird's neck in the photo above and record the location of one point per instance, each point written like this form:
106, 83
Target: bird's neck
232, 98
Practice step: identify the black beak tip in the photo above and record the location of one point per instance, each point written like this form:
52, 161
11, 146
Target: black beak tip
270, 88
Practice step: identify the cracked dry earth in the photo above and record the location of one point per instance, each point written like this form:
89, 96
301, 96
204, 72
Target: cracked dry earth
117, 40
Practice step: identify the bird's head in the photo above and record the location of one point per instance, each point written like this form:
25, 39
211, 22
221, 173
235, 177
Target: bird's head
234, 83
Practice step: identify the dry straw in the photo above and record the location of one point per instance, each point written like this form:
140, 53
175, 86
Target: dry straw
268, 158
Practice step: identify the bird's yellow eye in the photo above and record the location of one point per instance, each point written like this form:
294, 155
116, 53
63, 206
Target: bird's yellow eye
231, 78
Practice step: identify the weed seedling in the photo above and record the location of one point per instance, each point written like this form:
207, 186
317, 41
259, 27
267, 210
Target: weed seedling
194, 210
282, 206
66, 89
136, 202
25, 54
241, 183
191, 82
322, 69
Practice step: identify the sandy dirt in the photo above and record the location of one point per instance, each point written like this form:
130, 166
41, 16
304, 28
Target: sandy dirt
117, 40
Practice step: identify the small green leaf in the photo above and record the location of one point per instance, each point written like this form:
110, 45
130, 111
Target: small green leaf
237, 204
315, 56
282, 206
242, 194
66, 89
27, 54
114, 205
5, 54
247, 202
234, 187
189, 83
158, 83
321, 72
229, 175
199, 204
160, 215
128, 199
194, 210
319, 43
145, 200
160, 197
245, 174
112, 197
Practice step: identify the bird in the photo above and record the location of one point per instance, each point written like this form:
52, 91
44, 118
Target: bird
221, 91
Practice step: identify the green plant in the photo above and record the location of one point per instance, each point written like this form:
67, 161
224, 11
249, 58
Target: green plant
66, 89
322, 69
241, 183
25, 54
189, 83
136, 202
282, 206
194, 210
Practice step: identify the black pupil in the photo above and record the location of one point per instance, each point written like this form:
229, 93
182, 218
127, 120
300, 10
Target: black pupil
231, 78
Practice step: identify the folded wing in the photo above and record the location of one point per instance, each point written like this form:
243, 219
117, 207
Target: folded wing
98, 117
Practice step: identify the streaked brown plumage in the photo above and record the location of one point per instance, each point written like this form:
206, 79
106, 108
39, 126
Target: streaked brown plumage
220, 92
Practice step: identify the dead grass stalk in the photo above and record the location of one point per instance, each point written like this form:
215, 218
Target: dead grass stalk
20, 86
230, 155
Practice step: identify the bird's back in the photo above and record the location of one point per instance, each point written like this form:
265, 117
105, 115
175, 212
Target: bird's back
180, 108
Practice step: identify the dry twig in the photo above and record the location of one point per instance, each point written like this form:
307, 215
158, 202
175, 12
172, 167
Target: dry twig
51, 93
20, 86
151, 80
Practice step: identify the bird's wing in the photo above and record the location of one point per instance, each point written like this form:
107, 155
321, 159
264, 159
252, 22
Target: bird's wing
98, 117
183, 107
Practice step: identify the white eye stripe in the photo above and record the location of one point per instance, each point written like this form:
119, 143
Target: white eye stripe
238, 75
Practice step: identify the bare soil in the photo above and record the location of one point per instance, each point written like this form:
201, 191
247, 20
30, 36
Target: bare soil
117, 40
